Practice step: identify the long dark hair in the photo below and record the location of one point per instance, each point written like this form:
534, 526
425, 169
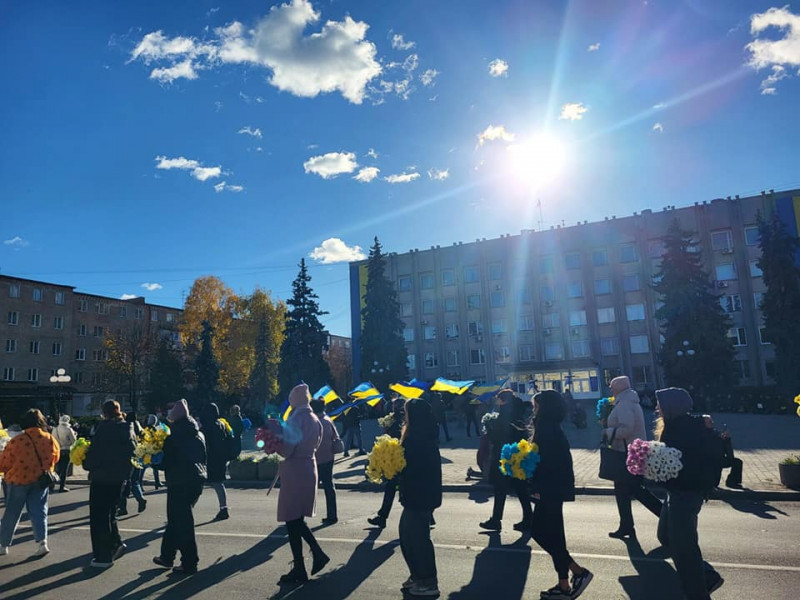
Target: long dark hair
419, 421
33, 417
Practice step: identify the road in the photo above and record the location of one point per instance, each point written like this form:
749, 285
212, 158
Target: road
755, 546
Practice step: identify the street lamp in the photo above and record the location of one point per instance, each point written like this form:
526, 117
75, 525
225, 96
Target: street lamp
689, 351
60, 377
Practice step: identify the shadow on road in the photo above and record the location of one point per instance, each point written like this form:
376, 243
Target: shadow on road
655, 578
492, 565
758, 508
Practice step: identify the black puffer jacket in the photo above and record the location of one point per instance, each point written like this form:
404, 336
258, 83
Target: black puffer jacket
508, 428
108, 459
216, 447
702, 453
554, 478
184, 454
421, 480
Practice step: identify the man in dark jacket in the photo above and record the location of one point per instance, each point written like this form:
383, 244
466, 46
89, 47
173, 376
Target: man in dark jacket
352, 429
108, 461
397, 408
217, 438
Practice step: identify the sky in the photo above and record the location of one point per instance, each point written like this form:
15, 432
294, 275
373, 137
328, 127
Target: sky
145, 143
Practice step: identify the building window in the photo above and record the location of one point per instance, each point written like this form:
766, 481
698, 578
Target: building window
411, 362
99, 355
473, 301
722, 240
731, 303
599, 257
639, 344
553, 351
427, 307
630, 283
36, 320
82, 330
139, 314
495, 271
762, 335
725, 272
429, 332
448, 277
574, 289
33, 374
609, 346
426, 281
451, 331
547, 293
80, 354
499, 326
526, 322
546, 264
97, 379
628, 253
526, 353
170, 317
502, 355
405, 309
56, 348
123, 312
744, 368
551, 320
572, 261
769, 368
450, 304
37, 294
154, 316
8, 374
13, 290
101, 308
475, 328
452, 358
60, 298
58, 322
758, 298
606, 315
13, 317
404, 283
755, 270
635, 312
83, 306
34, 347
98, 331
751, 235
497, 299
408, 334
430, 360
655, 248
577, 317
580, 348
11, 345
77, 377
525, 295
602, 286
738, 335
477, 356
471, 275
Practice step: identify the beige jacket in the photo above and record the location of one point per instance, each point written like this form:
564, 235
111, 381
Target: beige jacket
627, 418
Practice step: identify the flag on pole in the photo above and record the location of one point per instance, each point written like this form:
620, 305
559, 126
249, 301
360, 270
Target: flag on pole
485, 391
365, 391
406, 390
454, 387
285, 409
326, 394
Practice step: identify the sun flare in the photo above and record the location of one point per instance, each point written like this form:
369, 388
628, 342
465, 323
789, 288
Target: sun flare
538, 160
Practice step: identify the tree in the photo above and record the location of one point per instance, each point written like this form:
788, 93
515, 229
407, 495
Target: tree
129, 351
264, 322
305, 338
383, 351
166, 377
206, 368
691, 312
340, 362
781, 302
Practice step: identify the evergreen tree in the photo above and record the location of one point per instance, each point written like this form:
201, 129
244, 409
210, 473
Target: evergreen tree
305, 338
691, 312
781, 302
383, 351
166, 377
206, 368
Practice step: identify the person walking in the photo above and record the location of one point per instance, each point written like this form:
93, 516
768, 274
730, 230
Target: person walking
301, 437
108, 461
701, 456
150, 423
330, 445
217, 451
134, 484
26, 458
625, 424
352, 429
552, 484
184, 466
440, 414
471, 415
397, 407
65, 436
420, 494
237, 424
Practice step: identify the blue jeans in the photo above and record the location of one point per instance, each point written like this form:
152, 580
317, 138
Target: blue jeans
32, 497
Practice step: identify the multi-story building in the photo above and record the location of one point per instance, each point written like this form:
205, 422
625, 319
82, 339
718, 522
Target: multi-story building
45, 327
574, 305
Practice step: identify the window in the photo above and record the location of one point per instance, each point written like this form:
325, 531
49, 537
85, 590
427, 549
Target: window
577, 317
473, 301
56, 348
546, 264
170, 317
80, 354
758, 297
8, 374
426, 281
551, 320
408, 334
572, 261
725, 272
404, 283
630, 283
553, 351
769, 368
60, 298
731, 303
411, 361
34, 347
602, 286
99, 355
755, 270
83, 306
655, 248
154, 315
58, 322
502, 355
33, 374
430, 360
451, 331
101, 308
448, 277
82, 330
98, 331
77, 377
452, 358
574, 289
11, 345
599, 257
547, 293
580, 348
751, 235
738, 335
13, 317
609, 346
475, 328
639, 344
429, 332
427, 307
477, 356
123, 312
96, 379
497, 299
37, 294
471, 275
405, 309
606, 315
744, 368
495, 271
722, 240
628, 253
762, 336
526, 322
139, 314
526, 353
450, 304
13, 290
635, 312
36, 320
499, 326
525, 295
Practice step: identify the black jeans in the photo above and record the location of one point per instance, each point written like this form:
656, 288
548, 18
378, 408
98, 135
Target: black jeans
472, 419
624, 491
103, 500
299, 531
179, 534
326, 478
389, 491
547, 530
63, 468
416, 545
502, 486
443, 424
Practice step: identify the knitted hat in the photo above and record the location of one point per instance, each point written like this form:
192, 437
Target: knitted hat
299, 396
674, 402
179, 411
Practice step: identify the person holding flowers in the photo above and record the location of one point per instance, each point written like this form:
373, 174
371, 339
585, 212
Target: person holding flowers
134, 484
329, 447
217, 435
395, 408
150, 425
552, 484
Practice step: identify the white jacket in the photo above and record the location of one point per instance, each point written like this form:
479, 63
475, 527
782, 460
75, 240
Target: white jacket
64, 435
627, 418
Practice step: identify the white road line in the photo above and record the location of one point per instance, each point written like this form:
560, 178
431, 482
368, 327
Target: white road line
476, 549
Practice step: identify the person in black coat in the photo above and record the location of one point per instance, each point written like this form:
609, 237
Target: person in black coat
108, 461
184, 466
420, 495
217, 451
552, 484
237, 425
397, 406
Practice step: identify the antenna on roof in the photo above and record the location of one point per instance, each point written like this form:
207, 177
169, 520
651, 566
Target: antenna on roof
541, 217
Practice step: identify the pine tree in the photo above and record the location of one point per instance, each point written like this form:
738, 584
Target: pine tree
781, 302
691, 312
305, 338
166, 377
259, 382
383, 351
206, 368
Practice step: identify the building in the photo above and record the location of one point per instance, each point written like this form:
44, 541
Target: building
45, 327
573, 305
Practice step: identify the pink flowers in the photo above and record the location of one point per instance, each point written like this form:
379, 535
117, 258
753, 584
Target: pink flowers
638, 450
267, 441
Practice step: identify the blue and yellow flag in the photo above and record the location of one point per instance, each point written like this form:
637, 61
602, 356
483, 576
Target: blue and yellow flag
340, 410
406, 390
485, 391
366, 393
454, 387
285, 410
326, 394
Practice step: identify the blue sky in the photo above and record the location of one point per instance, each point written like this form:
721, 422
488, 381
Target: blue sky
148, 143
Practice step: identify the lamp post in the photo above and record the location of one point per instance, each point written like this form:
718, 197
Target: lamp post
61, 378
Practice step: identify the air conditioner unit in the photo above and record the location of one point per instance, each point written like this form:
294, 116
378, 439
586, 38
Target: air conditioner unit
722, 284
479, 337
423, 322
547, 332
727, 251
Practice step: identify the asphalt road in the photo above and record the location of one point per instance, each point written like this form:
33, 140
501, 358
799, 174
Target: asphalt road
754, 545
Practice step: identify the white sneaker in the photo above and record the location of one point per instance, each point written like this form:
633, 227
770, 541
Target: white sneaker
3, 550
42, 549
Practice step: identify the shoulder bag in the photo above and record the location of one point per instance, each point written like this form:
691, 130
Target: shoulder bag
613, 465
48, 479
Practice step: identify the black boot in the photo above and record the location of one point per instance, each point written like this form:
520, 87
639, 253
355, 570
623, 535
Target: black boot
296, 575
320, 560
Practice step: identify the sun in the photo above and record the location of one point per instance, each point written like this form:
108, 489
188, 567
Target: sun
537, 161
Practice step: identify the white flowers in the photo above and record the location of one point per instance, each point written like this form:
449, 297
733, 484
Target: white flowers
663, 463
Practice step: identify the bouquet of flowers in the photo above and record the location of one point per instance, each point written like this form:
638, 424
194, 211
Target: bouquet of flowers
655, 460
387, 421
228, 428
4, 439
150, 449
78, 450
520, 459
266, 440
386, 460
797, 401
604, 408
488, 420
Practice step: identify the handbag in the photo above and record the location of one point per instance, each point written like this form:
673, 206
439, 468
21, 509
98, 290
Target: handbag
48, 479
337, 446
613, 465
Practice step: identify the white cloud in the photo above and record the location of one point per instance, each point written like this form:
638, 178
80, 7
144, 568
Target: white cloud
428, 76
152, 287
498, 68
399, 42
402, 177
331, 164
248, 131
658, 127
223, 186
573, 111
334, 250
371, 153
769, 91
206, 173
593, 47
774, 52
768, 85
198, 171
155, 46
183, 69
367, 174
16, 242
495, 132
128, 296
439, 174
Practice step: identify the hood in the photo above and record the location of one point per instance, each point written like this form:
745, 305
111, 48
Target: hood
64, 420
210, 413
299, 396
628, 395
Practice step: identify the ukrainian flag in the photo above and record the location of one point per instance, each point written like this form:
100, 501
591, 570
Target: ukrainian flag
285, 409
485, 391
406, 390
366, 393
454, 387
342, 409
326, 394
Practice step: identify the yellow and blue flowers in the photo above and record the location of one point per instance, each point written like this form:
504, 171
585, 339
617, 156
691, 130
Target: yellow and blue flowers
386, 460
520, 459
150, 449
604, 408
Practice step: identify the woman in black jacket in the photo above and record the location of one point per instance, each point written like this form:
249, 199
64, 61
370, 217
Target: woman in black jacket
217, 451
552, 484
420, 495
108, 461
397, 405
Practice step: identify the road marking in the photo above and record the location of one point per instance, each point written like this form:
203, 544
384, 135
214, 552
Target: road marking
476, 549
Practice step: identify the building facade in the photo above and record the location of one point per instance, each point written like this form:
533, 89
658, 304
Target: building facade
573, 306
